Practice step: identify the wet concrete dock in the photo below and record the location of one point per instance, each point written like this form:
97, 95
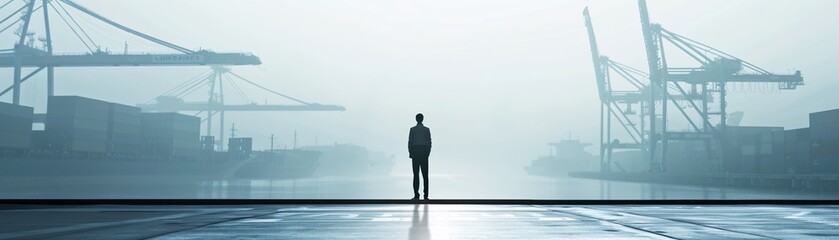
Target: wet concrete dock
419, 221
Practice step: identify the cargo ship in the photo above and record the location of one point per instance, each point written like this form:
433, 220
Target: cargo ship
753, 156
351, 160
566, 156
85, 137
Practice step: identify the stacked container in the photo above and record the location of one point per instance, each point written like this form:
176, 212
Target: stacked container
240, 147
15, 126
124, 130
824, 139
763, 152
750, 149
77, 124
686, 157
797, 151
171, 135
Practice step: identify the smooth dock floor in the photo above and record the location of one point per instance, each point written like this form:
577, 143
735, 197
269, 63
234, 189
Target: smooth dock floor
405, 221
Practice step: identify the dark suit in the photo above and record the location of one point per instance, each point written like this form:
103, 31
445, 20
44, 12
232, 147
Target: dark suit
419, 148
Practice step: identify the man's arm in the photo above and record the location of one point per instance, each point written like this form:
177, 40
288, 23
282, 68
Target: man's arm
410, 138
429, 137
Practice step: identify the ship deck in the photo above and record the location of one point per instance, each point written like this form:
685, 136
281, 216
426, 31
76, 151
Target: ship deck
392, 219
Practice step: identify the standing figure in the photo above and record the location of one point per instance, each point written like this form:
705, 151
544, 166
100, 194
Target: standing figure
419, 147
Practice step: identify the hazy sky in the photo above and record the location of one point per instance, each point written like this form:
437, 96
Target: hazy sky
496, 79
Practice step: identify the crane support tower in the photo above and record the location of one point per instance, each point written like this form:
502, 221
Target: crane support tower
700, 87
620, 105
217, 79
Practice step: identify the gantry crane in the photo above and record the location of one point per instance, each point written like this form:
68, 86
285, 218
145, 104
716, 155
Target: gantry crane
709, 81
619, 104
611, 101
215, 79
25, 55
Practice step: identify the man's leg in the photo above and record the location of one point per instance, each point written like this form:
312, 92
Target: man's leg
416, 164
424, 166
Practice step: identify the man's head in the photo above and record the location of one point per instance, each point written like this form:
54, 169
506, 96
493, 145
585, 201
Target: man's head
420, 117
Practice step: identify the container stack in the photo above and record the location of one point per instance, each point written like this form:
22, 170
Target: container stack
171, 135
797, 151
124, 130
824, 137
687, 157
77, 124
751, 149
763, 152
15, 126
240, 147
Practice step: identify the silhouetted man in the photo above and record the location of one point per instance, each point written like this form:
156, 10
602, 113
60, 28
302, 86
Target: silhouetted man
419, 147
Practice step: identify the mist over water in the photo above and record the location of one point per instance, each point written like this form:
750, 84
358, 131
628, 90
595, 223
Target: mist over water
497, 80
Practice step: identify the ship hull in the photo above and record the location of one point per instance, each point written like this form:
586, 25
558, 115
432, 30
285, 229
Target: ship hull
351, 160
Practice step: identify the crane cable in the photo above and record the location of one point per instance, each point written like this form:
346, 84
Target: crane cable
71, 27
186, 83
179, 86
194, 87
77, 25
6, 4
269, 90
239, 90
16, 21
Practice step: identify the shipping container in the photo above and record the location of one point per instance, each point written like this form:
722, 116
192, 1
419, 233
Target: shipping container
77, 124
171, 134
77, 107
171, 121
15, 126
829, 117
40, 141
15, 140
240, 146
124, 130
824, 125
747, 147
797, 151
208, 143
825, 155
7, 109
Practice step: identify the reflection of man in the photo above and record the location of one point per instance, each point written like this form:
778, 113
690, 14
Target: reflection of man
419, 228
419, 147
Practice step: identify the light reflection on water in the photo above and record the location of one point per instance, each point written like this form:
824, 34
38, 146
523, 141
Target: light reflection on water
385, 187
464, 187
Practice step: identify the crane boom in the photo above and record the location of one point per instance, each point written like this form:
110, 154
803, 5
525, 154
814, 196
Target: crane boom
595, 57
699, 77
127, 29
204, 106
109, 60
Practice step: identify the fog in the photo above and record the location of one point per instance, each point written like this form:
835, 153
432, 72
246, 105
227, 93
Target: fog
495, 79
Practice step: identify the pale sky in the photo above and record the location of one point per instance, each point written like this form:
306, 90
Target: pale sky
496, 79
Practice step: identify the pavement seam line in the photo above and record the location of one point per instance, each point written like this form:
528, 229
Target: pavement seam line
692, 223
208, 224
609, 222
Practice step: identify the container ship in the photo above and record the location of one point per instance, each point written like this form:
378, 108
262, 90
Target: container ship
351, 160
566, 156
91, 138
751, 156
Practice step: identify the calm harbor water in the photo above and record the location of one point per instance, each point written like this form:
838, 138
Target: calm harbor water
396, 186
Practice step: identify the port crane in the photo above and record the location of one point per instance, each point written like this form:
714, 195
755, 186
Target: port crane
618, 104
709, 80
216, 79
25, 55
